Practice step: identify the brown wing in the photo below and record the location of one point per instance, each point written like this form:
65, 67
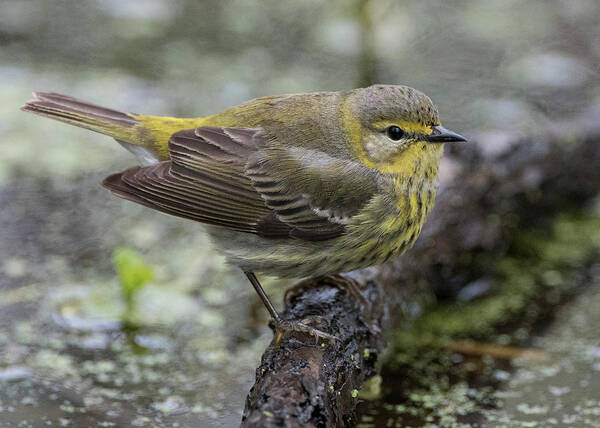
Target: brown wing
315, 193
206, 181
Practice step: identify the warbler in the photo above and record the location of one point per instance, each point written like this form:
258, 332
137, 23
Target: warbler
296, 185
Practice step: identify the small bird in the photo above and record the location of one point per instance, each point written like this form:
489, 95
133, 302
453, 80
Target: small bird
296, 185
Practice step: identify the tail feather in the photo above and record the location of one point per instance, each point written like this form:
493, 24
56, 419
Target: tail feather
147, 137
80, 113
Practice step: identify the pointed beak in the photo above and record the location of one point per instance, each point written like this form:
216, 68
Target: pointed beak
439, 134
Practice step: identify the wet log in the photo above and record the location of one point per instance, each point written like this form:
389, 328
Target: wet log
305, 382
488, 193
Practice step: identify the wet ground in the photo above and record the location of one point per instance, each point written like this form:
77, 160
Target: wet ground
65, 358
469, 364
555, 383
564, 388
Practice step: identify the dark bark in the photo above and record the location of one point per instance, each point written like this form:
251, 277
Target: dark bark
302, 382
486, 197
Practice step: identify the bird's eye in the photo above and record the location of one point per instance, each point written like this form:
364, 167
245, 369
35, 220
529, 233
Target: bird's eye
395, 133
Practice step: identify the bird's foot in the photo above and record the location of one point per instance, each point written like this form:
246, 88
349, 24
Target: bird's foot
302, 326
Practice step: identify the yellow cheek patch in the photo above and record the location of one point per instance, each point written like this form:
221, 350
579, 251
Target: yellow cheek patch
410, 161
403, 162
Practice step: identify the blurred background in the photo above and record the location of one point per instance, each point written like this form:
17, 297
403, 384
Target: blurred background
80, 344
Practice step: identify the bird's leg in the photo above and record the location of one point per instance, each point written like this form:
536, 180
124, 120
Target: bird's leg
263, 296
281, 325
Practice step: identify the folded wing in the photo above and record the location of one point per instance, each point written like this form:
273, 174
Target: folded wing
231, 177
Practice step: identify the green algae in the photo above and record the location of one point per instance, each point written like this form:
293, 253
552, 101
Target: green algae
430, 385
133, 272
541, 263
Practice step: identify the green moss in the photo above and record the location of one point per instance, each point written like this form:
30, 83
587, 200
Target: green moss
133, 274
540, 269
371, 390
540, 264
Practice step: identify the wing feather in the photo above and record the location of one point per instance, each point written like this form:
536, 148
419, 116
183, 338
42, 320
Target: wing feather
228, 177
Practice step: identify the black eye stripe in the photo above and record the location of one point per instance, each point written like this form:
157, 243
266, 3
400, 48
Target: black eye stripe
395, 133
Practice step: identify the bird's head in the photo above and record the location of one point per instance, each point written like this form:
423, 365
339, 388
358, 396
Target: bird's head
396, 128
